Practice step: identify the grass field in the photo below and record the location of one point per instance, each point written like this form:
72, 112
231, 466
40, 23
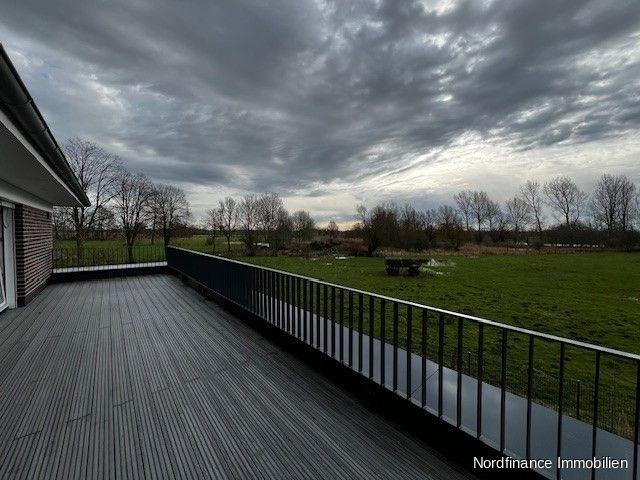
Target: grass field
592, 297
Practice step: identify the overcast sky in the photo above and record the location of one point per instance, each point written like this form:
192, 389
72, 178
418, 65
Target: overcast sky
335, 103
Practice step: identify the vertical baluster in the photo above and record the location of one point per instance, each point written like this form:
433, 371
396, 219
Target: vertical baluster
256, 289
371, 332
305, 306
295, 306
341, 337
480, 379
277, 302
312, 314
503, 389
273, 299
596, 400
292, 305
409, 349
423, 367
299, 307
333, 322
289, 305
263, 294
326, 315
529, 396
440, 362
560, 408
284, 304
459, 366
383, 312
249, 288
279, 289
350, 328
360, 322
636, 422
395, 346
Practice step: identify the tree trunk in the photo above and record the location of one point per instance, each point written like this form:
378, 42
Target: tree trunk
153, 231
79, 249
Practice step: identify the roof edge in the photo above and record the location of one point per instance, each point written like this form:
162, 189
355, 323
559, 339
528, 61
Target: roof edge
17, 103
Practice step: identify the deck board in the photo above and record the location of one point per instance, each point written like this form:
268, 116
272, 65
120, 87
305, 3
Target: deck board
139, 377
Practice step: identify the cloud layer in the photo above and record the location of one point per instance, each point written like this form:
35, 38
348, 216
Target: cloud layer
333, 102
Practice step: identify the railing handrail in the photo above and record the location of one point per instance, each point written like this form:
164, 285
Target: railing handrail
544, 336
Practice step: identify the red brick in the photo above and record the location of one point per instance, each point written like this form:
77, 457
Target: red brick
34, 242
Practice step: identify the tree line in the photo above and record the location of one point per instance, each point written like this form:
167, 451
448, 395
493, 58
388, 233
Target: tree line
120, 200
557, 211
129, 204
260, 220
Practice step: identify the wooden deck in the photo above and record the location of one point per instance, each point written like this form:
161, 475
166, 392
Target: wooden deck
139, 377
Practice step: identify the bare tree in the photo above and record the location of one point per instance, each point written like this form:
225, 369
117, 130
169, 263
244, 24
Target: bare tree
303, 225
531, 193
248, 214
628, 204
268, 206
566, 199
447, 216
213, 222
449, 224
97, 172
332, 229
105, 222
228, 209
430, 225
132, 200
479, 208
170, 208
605, 201
361, 214
284, 228
518, 213
612, 202
62, 222
494, 215
464, 200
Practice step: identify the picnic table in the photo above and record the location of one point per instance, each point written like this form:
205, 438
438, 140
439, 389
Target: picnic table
395, 265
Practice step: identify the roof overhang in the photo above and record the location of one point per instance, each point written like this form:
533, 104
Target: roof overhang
30, 157
25, 169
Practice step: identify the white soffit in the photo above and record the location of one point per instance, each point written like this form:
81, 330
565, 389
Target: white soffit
22, 167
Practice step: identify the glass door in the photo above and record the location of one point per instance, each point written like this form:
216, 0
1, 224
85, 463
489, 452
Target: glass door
3, 274
7, 258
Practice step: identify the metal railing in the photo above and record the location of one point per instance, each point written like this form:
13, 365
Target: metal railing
74, 259
411, 348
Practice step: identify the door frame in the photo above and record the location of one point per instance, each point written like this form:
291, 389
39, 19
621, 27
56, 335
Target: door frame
7, 211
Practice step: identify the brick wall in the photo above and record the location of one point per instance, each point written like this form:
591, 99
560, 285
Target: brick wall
34, 241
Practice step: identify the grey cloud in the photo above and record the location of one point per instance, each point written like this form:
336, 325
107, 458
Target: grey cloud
291, 94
